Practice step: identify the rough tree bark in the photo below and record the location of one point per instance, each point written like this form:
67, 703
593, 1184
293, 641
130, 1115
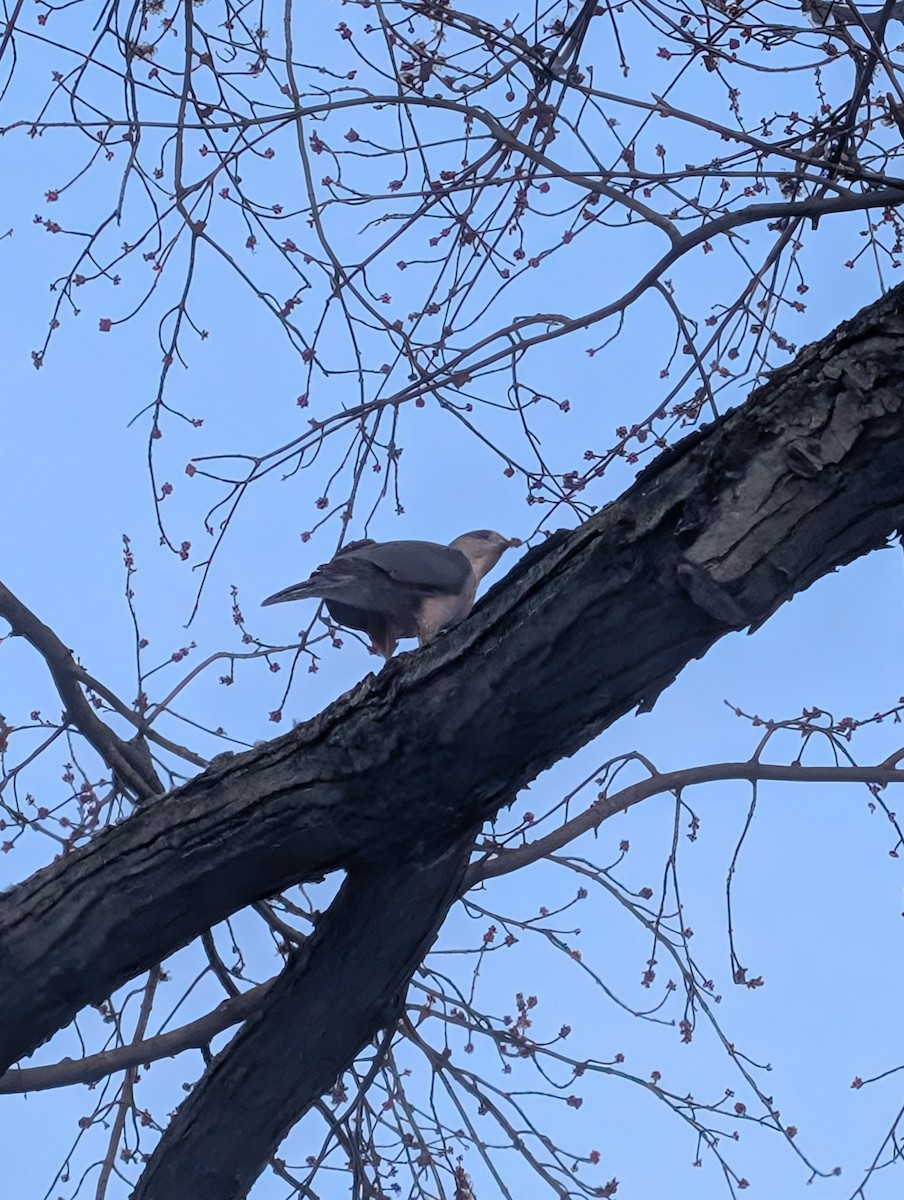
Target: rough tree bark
390, 779
342, 978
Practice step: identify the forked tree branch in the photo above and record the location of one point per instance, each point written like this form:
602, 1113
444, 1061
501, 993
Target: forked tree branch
340, 989
234, 1010
714, 536
131, 765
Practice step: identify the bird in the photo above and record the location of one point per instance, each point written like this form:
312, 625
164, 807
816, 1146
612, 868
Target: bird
394, 590
830, 12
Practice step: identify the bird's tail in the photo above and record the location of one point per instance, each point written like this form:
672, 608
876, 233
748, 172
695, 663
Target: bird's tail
298, 591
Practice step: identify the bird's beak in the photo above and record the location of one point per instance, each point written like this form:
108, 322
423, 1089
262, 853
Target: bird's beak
514, 543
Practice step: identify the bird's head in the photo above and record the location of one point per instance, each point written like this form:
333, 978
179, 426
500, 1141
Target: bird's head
483, 548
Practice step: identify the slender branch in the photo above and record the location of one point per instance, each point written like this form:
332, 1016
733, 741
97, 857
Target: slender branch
93, 1067
140, 722
132, 768
126, 1098
503, 861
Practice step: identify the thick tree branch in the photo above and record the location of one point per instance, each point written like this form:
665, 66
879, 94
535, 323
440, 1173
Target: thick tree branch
202, 1132
337, 992
233, 1011
714, 536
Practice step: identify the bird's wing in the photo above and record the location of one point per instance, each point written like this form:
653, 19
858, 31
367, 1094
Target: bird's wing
356, 545
423, 566
370, 581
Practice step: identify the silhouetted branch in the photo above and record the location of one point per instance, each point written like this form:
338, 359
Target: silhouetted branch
129, 760
714, 536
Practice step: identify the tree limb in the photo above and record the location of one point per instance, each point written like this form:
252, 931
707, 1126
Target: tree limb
93, 1067
504, 861
715, 535
338, 991
132, 766
236, 1009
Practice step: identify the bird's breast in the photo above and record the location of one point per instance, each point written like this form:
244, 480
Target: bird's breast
442, 611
